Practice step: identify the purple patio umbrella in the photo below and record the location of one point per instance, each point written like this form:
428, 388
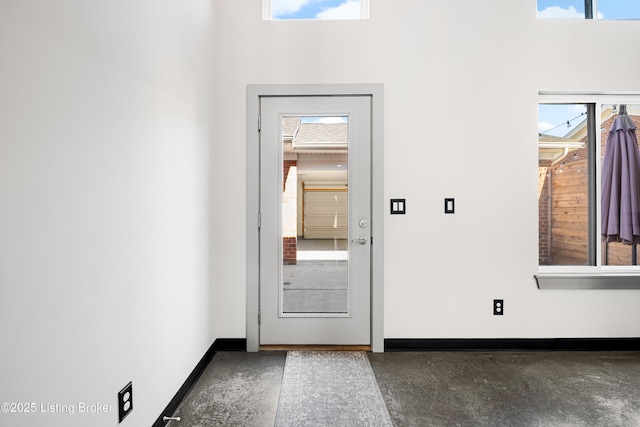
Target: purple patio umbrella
621, 184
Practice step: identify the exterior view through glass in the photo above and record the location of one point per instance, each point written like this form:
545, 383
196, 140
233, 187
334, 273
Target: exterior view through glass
315, 215
563, 183
564, 178
315, 10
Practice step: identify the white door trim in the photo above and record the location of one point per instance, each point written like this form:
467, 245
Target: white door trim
254, 93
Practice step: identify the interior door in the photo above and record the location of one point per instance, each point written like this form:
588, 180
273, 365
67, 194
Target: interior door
315, 288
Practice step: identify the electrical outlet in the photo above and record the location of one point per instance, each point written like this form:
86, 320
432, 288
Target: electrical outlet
125, 401
498, 307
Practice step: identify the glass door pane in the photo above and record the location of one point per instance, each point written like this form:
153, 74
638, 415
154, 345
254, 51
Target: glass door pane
315, 215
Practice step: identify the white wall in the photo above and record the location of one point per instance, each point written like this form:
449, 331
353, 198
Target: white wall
461, 83
104, 203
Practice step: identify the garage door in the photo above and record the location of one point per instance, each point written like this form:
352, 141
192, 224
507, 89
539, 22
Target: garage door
325, 214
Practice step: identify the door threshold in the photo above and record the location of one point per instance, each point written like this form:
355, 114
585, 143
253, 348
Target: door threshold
315, 347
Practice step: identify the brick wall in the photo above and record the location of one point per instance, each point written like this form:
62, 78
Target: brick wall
289, 250
289, 212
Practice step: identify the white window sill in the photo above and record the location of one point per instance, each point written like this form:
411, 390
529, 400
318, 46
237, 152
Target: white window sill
601, 280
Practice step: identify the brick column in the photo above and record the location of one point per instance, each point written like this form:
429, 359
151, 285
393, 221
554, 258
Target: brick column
290, 212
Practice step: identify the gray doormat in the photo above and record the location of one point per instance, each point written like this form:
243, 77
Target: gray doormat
330, 388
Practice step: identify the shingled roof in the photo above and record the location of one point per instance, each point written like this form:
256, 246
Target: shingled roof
314, 137
337, 133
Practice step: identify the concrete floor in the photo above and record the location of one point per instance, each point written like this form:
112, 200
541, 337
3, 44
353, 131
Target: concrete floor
441, 389
237, 389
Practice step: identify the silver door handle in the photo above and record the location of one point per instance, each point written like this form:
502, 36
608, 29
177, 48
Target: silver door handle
362, 240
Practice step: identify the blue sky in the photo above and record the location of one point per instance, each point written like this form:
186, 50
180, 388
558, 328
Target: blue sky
552, 118
325, 119
315, 9
556, 116
606, 9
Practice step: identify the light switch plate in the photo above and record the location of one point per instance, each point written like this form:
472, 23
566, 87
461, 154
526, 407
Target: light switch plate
398, 206
449, 206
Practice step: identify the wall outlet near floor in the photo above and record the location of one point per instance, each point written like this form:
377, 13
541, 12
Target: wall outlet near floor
498, 307
125, 401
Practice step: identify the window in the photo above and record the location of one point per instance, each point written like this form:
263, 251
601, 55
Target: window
576, 218
617, 9
589, 9
563, 185
315, 9
557, 9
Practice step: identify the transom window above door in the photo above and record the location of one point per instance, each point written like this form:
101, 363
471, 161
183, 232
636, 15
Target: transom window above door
315, 9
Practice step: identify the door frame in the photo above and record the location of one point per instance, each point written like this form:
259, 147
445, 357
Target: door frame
254, 94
